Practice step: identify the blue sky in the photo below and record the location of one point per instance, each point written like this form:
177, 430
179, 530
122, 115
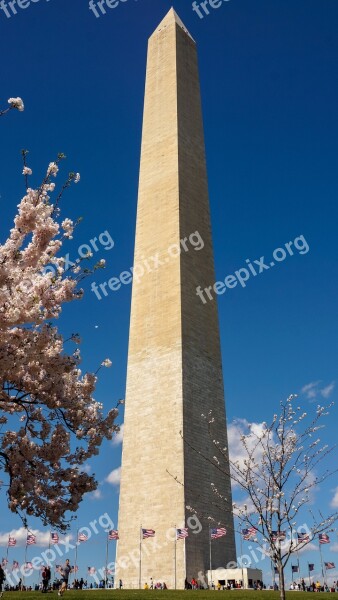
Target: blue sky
269, 84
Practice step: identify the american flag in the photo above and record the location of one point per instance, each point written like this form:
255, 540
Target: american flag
54, 538
249, 533
4, 562
31, 539
217, 532
113, 534
329, 565
146, 533
82, 537
28, 565
281, 535
324, 538
91, 570
311, 567
182, 533
294, 568
274, 536
15, 565
11, 541
303, 537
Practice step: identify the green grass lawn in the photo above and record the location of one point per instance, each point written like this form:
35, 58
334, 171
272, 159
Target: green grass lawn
158, 595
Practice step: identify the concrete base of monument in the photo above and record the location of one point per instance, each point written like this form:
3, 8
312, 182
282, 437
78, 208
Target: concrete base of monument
240, 578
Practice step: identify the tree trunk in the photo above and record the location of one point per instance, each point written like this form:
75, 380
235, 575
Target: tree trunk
281, 580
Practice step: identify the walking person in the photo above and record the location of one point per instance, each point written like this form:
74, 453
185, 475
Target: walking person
44, 580
48, 577
2, 579
65, 572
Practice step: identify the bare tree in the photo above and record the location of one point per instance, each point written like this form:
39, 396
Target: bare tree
278, 472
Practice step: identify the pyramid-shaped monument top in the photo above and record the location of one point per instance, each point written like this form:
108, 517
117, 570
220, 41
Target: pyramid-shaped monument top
172, 17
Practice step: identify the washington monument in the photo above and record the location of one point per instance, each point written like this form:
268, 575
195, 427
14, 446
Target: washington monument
174, 362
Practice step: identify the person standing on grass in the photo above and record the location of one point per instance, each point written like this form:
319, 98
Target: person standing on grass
66, 571
44, 580
2, 579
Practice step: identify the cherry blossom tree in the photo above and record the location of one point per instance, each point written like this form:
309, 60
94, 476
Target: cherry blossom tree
50, 423
278, 471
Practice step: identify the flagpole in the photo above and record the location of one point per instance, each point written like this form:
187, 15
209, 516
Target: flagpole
210, 558
50, 535
115, 582
7, 550
240, 535
106, 577
140, 569
76, 547
308, 568
23, 574
298, 566
52, 567
321, 558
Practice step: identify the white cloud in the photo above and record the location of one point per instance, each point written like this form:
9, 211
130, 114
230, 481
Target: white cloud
42, 537
114, 476
238, 428
311, 547
334, 501
96, 495
327, 391
118, 437
245, 505
310, 389
313, 389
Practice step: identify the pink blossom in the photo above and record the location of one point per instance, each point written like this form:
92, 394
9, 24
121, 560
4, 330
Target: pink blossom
45, 400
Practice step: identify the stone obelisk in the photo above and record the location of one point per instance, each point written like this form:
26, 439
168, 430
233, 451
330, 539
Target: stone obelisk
174, 362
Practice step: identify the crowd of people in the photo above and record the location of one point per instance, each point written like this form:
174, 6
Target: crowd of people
155, 586
221, 585
46, 585
61, 585
315, 586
